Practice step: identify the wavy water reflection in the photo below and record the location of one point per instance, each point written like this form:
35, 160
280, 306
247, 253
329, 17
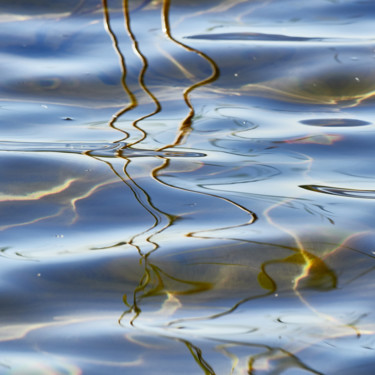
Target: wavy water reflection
181, 187
353, 193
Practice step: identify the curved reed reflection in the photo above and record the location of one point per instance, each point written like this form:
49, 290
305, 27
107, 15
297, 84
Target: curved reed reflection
133, 101
312, 270
185, 126
208, 278
141, 78
198, 358
152, 281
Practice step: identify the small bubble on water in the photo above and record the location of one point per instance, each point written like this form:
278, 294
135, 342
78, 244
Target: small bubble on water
236, 74
276, 295
38, 274
357, 79
44, 106
59, 236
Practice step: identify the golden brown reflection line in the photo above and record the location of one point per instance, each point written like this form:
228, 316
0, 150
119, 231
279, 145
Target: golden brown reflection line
185, 126
170, 218
157, 271
133, 100
157, 216
267, 282
198, 357
150, 268
183, 131
251, 220
141, 77
141, 80
153, 270
308, 260
145, 202
252, 216
132, 105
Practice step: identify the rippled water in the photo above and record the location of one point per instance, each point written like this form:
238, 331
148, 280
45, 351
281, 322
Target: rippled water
187, 187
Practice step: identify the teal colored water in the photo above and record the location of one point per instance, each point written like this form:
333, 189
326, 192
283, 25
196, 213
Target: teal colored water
187, 187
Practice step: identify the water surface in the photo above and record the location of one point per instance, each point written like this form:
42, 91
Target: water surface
187, 187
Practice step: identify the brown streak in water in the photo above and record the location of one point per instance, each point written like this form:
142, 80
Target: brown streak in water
141, 77
134, 187
203, 286
185, 126
252, 215
145, 280
133, 101
149, 269
198, 357
159, 289
145, 201
197, 286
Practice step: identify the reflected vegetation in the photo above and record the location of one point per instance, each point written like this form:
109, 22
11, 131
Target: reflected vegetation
302, 268
154, 279
218, 238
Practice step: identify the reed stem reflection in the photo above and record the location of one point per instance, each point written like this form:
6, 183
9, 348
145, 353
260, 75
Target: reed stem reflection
185, 126
155, 281
133, 100
141, 77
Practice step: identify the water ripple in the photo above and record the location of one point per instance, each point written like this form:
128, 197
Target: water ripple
117, 149
343, 192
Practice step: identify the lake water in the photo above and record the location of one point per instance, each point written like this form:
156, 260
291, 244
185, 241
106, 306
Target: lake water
187, 187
